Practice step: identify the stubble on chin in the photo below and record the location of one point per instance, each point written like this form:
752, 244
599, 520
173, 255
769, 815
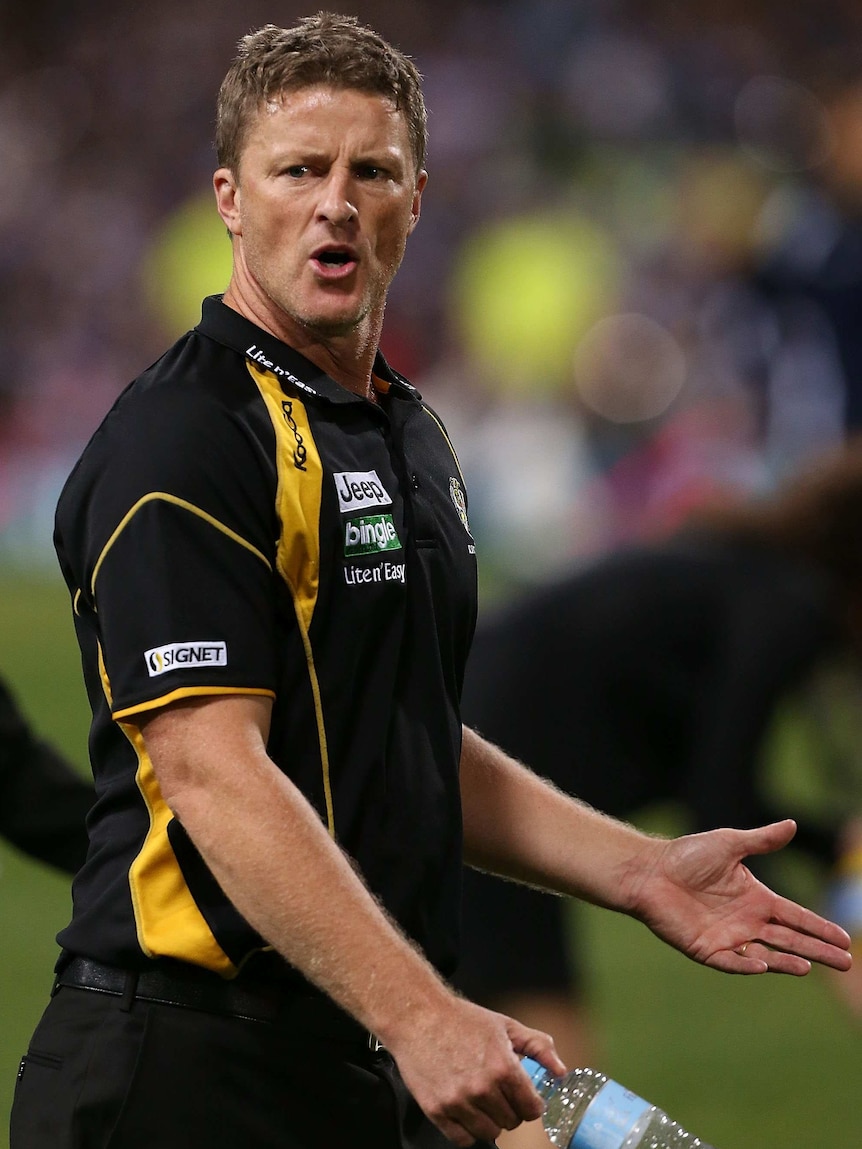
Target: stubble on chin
316, 323
325, 328
322, 319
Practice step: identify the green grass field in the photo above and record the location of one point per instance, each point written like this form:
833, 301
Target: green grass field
756, 1063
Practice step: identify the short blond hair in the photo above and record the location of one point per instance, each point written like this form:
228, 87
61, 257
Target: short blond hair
322, 49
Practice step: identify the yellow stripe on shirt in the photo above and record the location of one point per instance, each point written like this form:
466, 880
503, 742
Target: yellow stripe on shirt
298, 500
167, 918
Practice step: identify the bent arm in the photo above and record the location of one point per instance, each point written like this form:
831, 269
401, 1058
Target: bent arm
272, 856
274, 859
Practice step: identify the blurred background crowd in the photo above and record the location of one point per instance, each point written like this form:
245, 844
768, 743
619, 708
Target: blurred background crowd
634, 288
634, 292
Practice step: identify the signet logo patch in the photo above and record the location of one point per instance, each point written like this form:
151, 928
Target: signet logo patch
370, 534
177, 655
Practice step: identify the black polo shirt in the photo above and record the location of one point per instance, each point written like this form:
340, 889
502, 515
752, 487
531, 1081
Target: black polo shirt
242, 524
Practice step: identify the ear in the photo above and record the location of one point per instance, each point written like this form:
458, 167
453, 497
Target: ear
421, 181
227, 195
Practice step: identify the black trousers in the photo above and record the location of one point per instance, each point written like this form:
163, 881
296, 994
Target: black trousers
104, 1074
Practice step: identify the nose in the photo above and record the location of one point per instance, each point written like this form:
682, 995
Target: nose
336, 202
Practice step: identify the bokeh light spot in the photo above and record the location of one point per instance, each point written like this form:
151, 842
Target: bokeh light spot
189, 258
628, 368
526, 290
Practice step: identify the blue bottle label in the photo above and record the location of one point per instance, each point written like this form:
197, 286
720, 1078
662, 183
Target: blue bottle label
609, 1118
537, 1073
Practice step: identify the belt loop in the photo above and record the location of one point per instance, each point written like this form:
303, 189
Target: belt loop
129, 991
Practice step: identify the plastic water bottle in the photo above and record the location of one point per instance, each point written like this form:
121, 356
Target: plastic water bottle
587, 1110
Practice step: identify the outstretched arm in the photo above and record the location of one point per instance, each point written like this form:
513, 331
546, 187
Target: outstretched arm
693, 892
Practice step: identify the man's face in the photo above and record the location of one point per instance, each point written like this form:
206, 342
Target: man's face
325, 197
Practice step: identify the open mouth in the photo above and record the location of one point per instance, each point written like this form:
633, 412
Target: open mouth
334, 262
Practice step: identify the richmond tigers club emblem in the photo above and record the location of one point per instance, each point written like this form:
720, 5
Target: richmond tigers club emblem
456, 494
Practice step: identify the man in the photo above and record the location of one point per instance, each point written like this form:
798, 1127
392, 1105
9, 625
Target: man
274, 589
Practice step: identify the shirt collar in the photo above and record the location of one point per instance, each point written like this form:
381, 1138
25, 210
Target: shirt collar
226, 326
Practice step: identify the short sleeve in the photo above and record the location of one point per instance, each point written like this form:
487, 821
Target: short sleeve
185, 607
179, 556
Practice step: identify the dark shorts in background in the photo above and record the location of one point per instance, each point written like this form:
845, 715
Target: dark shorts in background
515, 940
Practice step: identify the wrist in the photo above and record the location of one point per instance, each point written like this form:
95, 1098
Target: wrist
414, 1010
637, 874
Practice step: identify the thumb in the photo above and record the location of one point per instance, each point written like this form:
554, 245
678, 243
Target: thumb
533, 1043
767, 839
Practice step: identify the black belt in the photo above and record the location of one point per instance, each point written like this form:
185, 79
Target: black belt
193, 988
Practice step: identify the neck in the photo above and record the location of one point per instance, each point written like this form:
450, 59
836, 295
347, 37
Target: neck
347, 357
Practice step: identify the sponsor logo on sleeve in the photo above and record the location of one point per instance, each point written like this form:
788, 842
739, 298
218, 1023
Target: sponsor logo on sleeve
360, 489
370, 534
179, 655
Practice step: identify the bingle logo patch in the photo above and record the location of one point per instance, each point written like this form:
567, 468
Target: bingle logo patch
370, 534
176, 655
360, 489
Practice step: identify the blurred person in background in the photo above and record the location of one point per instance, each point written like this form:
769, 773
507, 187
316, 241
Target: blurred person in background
285, 791
653, 675
43, 800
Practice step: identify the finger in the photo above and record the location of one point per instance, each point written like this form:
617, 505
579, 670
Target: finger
796, 917
729, 961
778, 960
779, 937
758, 957
480, 1127
538, 1045
501, 1111
502, 1105
766, 839
489, 1105
523, 1097
484, 1116
464, 1123
524, 1101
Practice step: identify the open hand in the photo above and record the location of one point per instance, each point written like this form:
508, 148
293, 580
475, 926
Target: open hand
696, 894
